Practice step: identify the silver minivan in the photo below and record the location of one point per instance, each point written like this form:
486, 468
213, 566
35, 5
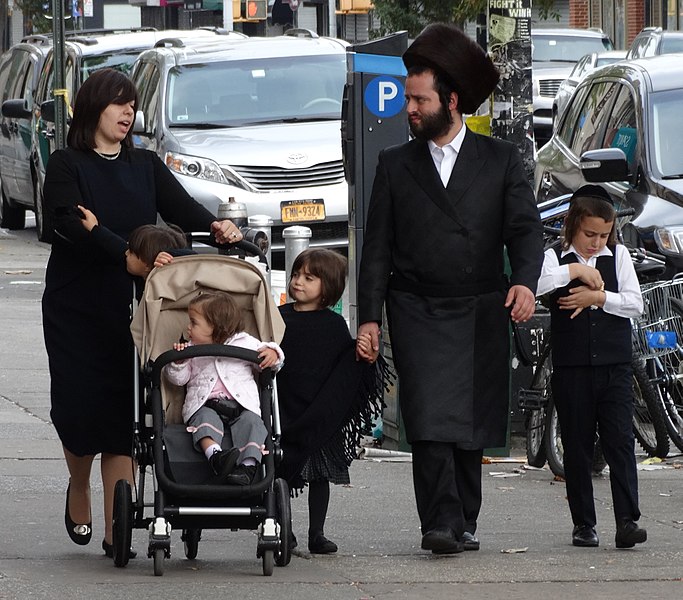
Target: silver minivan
255, 119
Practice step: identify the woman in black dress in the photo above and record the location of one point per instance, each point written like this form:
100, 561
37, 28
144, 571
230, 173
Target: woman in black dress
86, 304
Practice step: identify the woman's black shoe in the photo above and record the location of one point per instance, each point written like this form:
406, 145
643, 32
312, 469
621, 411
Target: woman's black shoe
109, 550
79, 534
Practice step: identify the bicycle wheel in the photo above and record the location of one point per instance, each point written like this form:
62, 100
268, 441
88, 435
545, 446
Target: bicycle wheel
553, 440
649, 421
671, 389
535, 419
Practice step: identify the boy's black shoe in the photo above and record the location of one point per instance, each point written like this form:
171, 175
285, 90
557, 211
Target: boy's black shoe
585, 536
223, 462
242, 475
321, 545
629, 534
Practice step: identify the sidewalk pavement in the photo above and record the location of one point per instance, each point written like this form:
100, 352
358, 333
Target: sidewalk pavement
524, 528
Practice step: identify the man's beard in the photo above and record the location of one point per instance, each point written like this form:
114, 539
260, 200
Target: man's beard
433, 125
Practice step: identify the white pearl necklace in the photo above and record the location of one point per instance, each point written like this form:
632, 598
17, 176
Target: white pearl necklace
108, 156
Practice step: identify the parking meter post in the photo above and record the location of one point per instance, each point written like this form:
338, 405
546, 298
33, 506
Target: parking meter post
59, 90
297, 239
372, 119
265, 224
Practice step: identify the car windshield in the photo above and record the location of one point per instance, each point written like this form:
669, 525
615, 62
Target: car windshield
121, 61
666, 140
237, 93
565, 48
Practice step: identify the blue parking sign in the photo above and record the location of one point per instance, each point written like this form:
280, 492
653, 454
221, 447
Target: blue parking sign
384, 96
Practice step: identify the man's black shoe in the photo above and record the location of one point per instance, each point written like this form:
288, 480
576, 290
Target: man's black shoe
223, 462
629, 534
470, 541
242, 475
442, 541
585, 536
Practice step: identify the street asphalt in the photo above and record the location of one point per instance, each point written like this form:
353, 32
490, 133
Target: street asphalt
524, 527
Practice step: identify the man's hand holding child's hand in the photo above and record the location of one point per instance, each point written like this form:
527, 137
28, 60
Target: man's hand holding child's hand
364, 348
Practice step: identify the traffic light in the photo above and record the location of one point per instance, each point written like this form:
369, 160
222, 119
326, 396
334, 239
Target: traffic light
256, 10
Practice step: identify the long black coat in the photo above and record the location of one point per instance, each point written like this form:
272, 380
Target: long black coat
436, 255
88, 293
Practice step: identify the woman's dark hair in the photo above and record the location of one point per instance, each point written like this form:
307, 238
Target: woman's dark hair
587, 206
330, 266
102, 88
221, 312
147, 241
442, 86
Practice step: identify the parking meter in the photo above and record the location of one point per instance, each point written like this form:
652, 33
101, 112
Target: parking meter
372, 119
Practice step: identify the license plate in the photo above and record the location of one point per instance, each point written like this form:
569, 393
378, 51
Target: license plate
296, 211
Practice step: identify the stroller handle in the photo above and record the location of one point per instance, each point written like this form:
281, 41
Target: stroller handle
248, 247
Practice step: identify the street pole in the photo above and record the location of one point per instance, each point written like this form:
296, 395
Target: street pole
227, 15
333, 18
59, 92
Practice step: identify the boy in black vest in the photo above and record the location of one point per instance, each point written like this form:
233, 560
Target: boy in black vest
594, 293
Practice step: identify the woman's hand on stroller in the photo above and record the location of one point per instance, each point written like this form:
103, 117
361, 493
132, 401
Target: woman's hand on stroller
269, 358
226, 232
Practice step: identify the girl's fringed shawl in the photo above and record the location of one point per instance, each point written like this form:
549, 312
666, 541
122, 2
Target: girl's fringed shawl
327, 398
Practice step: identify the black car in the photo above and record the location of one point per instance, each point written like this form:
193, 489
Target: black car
634, 106
20, 69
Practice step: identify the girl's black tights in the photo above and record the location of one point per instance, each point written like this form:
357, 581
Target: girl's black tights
318, 501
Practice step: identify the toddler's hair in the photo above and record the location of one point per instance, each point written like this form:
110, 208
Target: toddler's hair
147, 241
221, 312
587, 206
330, 266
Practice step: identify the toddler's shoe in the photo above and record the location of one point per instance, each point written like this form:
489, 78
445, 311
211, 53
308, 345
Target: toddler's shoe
242, 475
223, 462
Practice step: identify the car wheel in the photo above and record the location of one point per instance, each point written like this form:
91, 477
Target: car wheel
11, 217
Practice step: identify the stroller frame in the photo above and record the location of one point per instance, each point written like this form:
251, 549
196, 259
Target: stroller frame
264, 505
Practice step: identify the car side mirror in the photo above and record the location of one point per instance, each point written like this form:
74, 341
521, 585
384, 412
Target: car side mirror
16, 109
139, 124
605, 164
47, 111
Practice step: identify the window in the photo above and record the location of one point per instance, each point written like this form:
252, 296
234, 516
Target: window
621, 131
592, 118
570, 123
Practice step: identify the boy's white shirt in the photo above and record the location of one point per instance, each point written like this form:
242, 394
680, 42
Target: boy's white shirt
628, 302
238, 376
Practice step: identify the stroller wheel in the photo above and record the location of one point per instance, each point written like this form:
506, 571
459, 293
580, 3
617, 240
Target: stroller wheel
122, 522
191, 539
284, 518
268, 562
159, 556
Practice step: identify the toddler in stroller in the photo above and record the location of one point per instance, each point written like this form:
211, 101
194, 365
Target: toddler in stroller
222, 391
186, 495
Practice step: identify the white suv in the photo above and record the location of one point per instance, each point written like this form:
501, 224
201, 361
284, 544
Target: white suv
257, 119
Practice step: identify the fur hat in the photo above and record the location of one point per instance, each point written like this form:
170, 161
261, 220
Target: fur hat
592, 191
453, 54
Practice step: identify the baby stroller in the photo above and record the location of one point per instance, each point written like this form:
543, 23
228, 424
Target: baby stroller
183, 496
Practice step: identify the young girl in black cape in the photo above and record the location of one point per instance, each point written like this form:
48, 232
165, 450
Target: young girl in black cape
327, 397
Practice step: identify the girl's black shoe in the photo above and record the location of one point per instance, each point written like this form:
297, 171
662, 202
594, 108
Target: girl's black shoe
79, 534
109, 550
321, 545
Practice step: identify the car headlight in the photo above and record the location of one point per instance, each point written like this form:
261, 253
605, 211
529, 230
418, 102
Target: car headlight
670, 239
201, 168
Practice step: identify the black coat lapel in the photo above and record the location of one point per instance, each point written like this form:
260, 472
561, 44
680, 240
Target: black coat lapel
467, 166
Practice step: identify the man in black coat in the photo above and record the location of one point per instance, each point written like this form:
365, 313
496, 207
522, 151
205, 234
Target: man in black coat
444, 207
